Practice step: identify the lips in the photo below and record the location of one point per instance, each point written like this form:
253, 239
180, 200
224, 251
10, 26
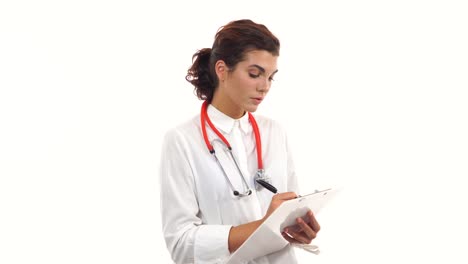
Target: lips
257, 100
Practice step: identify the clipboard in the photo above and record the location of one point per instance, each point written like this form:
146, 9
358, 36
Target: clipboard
267, 237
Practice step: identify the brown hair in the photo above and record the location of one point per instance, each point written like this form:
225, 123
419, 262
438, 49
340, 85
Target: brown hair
232, 42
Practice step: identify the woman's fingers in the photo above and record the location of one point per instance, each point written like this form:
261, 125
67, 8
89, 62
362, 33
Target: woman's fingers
298, 236
289, 238
284, 196
277, 200
313, 223
307, 230
304, 232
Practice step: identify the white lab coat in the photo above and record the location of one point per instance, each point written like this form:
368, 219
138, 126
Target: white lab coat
198, 207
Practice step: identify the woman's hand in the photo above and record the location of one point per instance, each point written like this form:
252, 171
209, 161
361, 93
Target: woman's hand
303, 232
277, 200
238, 234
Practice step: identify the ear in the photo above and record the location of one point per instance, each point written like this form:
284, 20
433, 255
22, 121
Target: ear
221, 70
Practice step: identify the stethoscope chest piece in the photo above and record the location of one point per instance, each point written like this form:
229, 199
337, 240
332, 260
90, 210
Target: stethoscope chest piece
263, 181
260, 175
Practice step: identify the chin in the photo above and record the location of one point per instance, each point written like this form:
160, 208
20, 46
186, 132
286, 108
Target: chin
251, 108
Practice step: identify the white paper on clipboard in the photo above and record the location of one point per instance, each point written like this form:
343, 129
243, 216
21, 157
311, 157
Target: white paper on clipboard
267, 237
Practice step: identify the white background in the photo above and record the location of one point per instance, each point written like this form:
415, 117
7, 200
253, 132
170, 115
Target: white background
372, 93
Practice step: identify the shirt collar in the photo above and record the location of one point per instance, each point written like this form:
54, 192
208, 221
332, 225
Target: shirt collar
227, 123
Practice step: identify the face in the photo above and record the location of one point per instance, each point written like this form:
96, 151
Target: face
243, 88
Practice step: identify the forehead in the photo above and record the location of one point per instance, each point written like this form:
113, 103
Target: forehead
261, 58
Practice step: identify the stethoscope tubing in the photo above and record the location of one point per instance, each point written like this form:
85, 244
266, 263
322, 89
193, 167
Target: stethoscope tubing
204, 118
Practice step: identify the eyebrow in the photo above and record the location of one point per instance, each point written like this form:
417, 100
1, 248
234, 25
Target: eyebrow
261, 68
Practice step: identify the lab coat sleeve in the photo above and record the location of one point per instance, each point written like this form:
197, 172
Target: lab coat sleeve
187, 238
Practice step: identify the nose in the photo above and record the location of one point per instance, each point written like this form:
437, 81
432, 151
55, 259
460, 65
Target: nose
264, 86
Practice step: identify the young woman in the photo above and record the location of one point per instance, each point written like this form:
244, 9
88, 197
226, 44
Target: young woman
220, 170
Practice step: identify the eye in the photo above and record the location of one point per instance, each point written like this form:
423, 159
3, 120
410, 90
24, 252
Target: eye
254, 75
271, 79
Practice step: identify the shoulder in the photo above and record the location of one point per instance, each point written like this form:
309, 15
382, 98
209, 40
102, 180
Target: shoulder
269, 124
183, 131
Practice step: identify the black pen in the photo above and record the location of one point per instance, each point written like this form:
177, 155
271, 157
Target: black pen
268, 186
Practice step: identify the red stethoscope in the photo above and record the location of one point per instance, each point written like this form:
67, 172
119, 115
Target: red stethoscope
260, 176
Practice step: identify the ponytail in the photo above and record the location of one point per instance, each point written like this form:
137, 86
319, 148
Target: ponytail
201, 76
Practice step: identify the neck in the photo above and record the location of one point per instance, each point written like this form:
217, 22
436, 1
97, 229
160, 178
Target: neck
227, 107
